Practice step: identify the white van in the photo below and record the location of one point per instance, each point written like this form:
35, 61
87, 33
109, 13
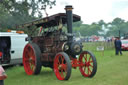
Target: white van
15, 42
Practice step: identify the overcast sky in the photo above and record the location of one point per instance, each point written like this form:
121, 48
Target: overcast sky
94, 10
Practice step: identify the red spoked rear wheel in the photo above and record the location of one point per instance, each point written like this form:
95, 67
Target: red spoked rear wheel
62, 66
31, 59
88, 63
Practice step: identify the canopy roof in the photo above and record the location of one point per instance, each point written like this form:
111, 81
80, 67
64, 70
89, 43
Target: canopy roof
50, 21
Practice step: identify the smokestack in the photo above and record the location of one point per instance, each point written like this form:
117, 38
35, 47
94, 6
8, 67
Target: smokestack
69, 20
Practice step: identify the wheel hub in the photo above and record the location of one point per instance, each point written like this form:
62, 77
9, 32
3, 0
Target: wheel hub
87, 64
30, 60
59, 67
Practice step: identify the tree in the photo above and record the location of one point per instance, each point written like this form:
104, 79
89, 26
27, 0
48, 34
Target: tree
89, 30
117, 21
19, 12
101, 22
94, 29
116, 26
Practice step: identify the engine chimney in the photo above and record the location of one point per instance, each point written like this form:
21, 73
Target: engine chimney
69, 21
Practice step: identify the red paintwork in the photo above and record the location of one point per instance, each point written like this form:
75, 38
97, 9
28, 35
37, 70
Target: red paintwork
75, 63
0, 54
60, 68
125, 46
86, 63
29, 59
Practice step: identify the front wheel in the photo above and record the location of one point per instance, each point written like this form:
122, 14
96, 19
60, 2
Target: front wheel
62, 66
88, 64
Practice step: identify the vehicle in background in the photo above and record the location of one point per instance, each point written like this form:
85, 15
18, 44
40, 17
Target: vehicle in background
124, 44
15, 42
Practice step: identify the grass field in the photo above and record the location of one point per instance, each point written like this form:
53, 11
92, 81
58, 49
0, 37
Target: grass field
112, 70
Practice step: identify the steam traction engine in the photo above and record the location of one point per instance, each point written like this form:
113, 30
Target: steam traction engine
57, 49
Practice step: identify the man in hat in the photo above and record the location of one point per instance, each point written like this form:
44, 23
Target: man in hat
118, 45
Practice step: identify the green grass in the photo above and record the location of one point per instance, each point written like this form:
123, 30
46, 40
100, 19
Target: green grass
112, 70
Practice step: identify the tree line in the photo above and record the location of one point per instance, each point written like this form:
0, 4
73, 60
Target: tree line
117, 28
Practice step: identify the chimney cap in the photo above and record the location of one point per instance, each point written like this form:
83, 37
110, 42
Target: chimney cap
68, 7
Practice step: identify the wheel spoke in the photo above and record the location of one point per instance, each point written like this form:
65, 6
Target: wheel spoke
85, 58
27, 54
32, 66
65, 71
89, 71
58, 62
31, 53
64, 66
85, 68
62, 59
62, 75
89, 58
33, 62
26, 60
91, 61
91, 65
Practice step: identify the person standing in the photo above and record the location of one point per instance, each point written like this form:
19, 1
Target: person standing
3, 75
118, 46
